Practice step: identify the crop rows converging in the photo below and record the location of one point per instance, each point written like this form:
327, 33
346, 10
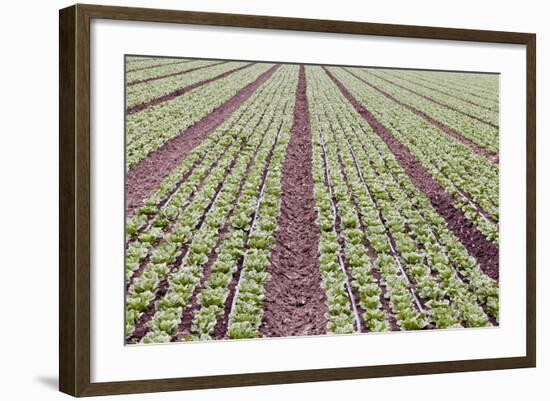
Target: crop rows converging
271, 200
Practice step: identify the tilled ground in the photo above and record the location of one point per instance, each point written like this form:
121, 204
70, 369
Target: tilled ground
294, 300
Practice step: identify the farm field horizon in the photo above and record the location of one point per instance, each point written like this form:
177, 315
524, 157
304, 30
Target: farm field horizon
276, 200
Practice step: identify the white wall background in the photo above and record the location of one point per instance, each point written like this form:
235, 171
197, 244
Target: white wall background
28, 202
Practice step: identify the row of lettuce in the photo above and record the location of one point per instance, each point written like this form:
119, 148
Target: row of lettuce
222, 216
483, 111
480, 86
147, 91
148, 129
481, 133
473, 180
203, 240
469, 177
165, 71
460, 97
135, 63
390, 240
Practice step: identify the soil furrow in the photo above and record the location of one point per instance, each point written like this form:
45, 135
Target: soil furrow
181, 91
481, 120
294, 300
468, 142
144, 178
474, 241
173, 74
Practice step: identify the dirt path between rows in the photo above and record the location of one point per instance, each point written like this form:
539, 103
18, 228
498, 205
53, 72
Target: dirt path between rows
146, 176
468, 142
181, 91
475, 242
294, 300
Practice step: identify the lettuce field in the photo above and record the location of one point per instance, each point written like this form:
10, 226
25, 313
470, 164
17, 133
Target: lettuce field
272, 200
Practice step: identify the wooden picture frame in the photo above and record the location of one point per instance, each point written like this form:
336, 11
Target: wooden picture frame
74, 199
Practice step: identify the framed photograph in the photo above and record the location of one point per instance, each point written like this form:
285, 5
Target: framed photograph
251, 200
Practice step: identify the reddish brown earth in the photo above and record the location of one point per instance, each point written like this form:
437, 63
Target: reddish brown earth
481, 120
173, 74
181, 91
471, 144
475, 242
159, 65
294, 300
145, 177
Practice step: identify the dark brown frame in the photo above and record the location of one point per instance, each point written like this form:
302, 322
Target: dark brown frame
74, 199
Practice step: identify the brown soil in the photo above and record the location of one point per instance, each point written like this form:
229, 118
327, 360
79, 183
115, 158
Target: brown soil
159, 65
294, 300
145, 177
173, 74
475, 242
471, 144
481, 120
181, 91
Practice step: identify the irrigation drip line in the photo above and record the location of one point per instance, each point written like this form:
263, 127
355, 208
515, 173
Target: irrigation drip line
252, 226
393, 251
340, 258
